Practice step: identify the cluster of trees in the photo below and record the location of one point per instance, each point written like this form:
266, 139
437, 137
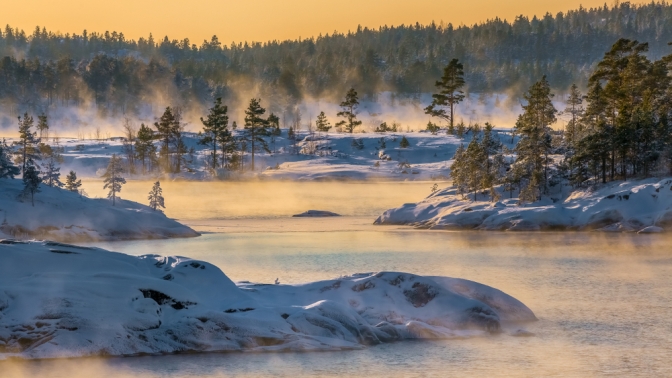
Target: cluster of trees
622, 128
50, 68
35, 160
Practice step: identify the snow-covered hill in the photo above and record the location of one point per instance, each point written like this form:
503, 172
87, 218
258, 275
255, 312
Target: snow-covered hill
62, 215
643, 206
59, 300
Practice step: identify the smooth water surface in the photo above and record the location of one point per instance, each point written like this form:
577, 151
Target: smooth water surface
603, 300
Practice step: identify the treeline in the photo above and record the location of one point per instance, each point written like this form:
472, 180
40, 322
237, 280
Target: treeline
621, 128
44, 68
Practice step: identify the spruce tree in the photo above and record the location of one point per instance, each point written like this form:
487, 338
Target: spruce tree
459, 171
404, 143
450, 93
534, 146
322, 124
51, 175
156, 197
165, 128
432, 128
145, 150
256, 128
274, 123
215, 129
71, 182
349, 112
113, 177
31, 180
43, 126
7, 167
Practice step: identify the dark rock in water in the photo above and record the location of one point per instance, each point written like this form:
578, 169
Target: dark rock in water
317, 213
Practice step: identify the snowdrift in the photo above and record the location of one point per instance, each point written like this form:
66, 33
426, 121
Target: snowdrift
60, 300
66, 216
632, 206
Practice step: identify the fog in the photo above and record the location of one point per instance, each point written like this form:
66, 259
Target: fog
194, 201
89, 122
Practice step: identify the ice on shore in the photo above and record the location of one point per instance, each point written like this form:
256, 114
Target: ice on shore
60, 300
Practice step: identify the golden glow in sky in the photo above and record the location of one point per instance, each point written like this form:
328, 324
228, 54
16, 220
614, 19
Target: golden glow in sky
260, 20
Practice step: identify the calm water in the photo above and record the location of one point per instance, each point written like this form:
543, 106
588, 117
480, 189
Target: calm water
603, 300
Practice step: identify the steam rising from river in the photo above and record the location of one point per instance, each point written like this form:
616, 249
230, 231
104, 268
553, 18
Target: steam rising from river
89, 122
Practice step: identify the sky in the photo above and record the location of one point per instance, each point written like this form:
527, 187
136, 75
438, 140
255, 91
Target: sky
260, 20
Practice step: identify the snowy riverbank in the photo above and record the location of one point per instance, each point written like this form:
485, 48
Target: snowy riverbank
630, 206
62, 215
318, 156
59, 300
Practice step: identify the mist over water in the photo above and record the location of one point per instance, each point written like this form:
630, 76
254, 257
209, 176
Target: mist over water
603, 300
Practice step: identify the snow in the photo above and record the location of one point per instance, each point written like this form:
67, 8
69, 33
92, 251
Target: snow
333, 157
630, 206
62, 215
60, 300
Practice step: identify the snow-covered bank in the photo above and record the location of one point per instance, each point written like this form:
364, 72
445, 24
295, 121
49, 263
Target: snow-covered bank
62, 215
316, 156
59, 300
632, 206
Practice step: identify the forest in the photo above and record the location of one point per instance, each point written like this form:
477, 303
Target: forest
44, 70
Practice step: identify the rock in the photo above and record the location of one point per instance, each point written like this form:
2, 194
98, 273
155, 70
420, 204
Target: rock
523, 225
603, 219
650, 230
665, 220
317, 214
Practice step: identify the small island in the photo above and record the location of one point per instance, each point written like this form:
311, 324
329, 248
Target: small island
316, 214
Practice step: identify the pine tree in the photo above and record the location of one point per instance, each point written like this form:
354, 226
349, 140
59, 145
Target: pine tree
534, 146
27, 143
145, 150
349, 111
71, 182
450, 93
7, 167
31, 180
113, 177
156, 197
322, 123
256, 127
404, 143
215, 129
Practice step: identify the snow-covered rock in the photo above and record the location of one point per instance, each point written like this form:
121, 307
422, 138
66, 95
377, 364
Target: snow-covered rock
62, 215
628, 206
60, 300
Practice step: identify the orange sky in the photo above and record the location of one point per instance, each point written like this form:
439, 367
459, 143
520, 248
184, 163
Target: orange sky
259, 20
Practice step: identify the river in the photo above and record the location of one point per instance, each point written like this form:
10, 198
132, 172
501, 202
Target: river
603, 300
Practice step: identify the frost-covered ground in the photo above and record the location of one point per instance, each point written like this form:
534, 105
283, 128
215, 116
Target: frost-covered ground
314, 157
630, 206
62, 215
59, 300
